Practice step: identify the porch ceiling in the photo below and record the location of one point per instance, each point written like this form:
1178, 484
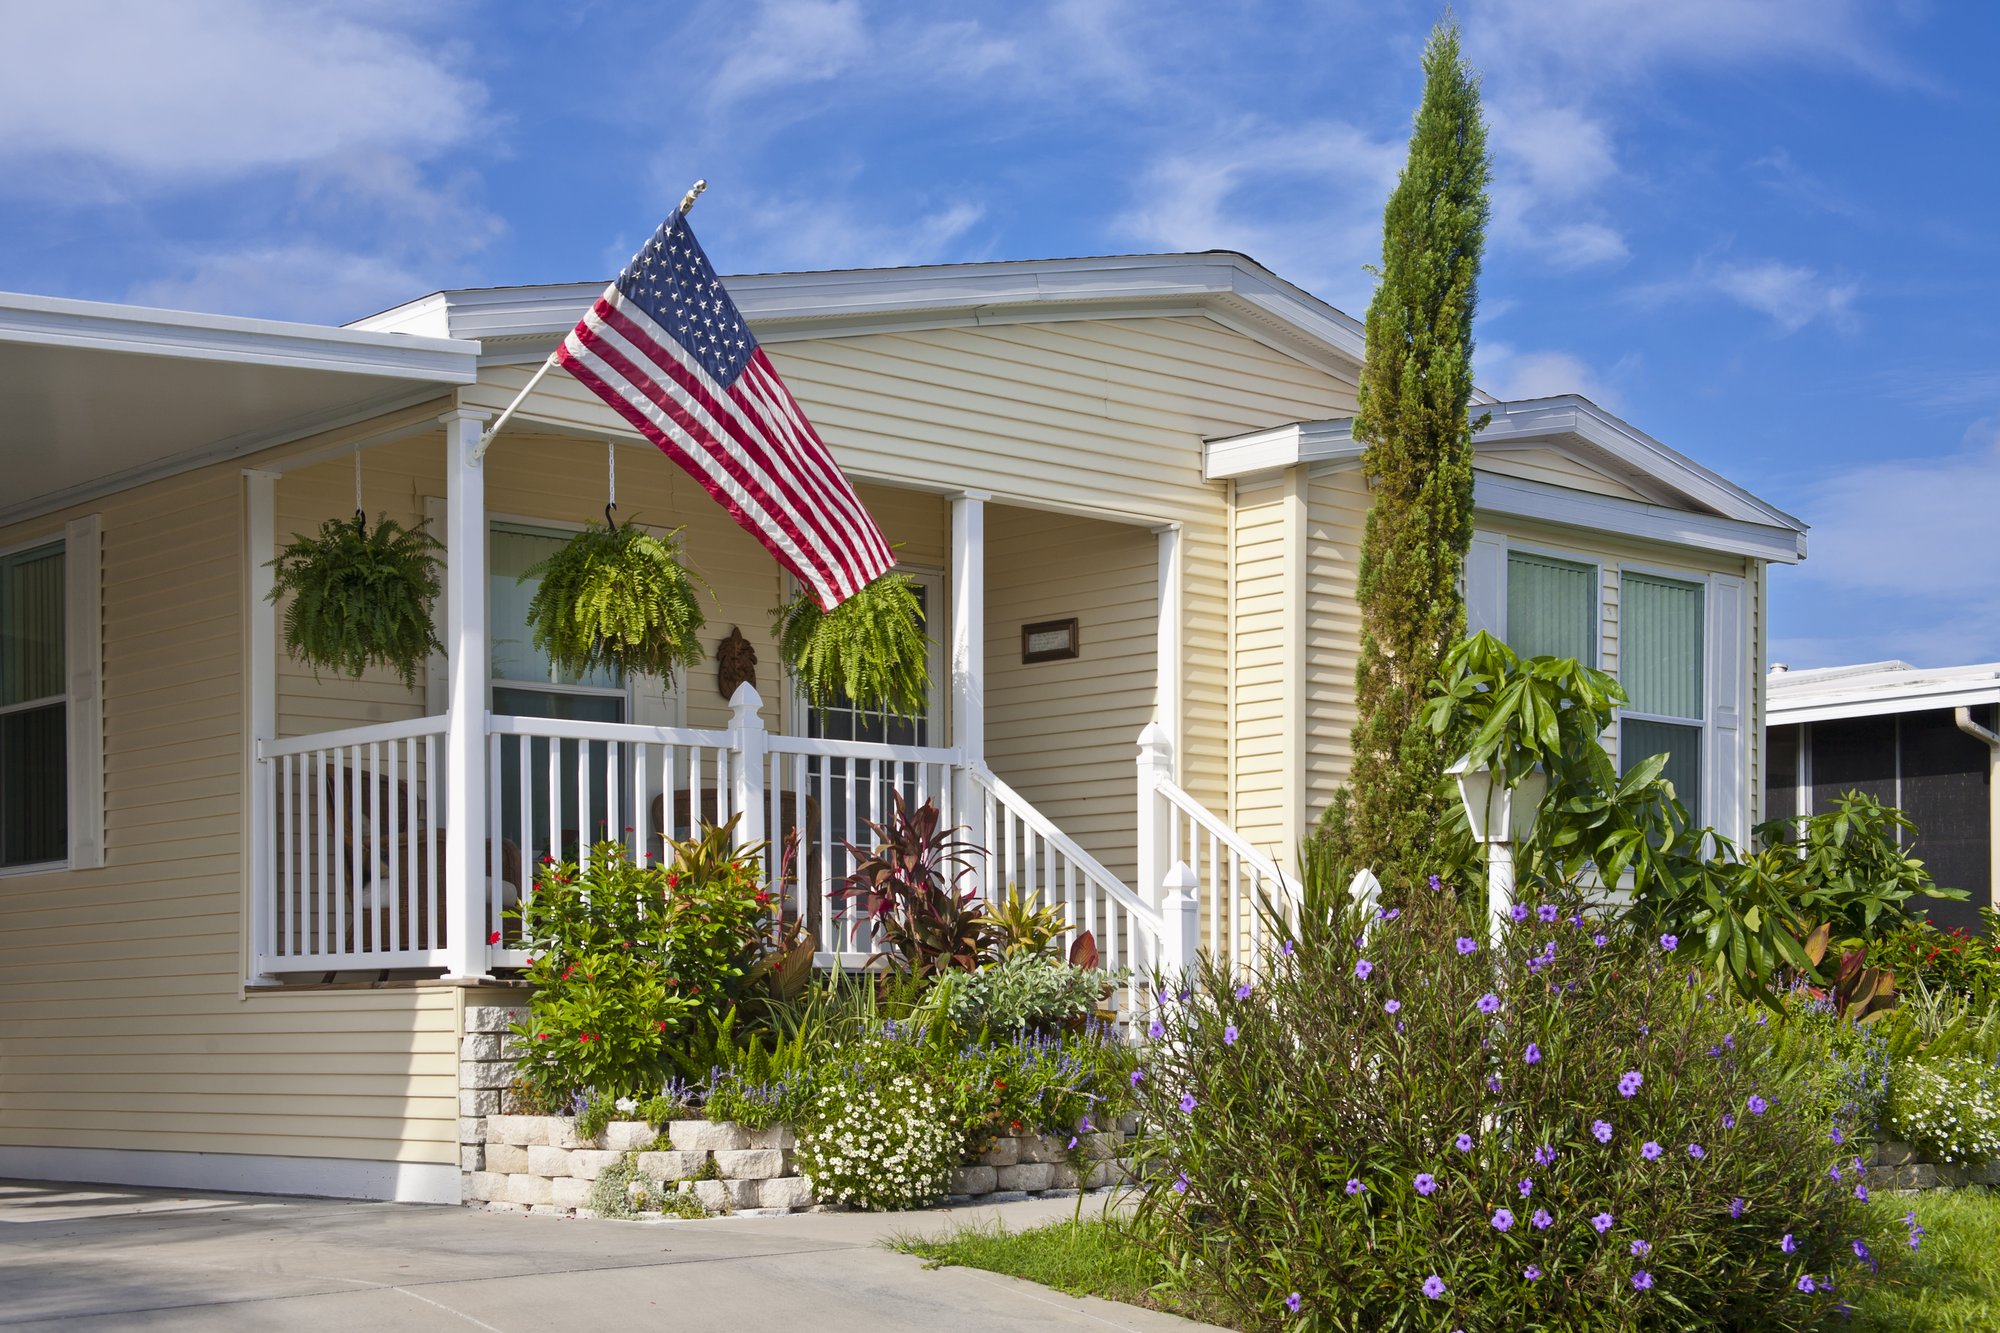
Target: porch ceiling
94, 396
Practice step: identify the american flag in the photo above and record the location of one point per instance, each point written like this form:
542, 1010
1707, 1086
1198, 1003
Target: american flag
667, 348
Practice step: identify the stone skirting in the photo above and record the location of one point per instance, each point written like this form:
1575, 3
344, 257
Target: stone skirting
532, 1163
1898, 1166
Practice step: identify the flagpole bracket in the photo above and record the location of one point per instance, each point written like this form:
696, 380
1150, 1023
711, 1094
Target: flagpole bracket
694, 193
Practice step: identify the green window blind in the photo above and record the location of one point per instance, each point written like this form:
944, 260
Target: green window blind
1551, 607
1660, 646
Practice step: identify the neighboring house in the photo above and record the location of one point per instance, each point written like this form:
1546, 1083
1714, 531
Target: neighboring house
1921, 739
233, 897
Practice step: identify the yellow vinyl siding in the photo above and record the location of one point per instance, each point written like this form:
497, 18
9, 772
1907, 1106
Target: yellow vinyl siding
1338, 507
1064, 734
1260, 644
122, 1019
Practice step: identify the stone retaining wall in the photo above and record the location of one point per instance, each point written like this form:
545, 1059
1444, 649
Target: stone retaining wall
1898, 1166
532, 1163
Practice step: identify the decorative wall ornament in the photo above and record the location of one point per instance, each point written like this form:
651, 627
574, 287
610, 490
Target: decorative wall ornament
1049, 640
735, 662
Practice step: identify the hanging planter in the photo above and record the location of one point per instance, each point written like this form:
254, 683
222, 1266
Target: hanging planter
620, 598
871, 649
360, 598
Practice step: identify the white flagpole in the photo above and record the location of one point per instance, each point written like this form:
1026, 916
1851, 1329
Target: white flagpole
486, 440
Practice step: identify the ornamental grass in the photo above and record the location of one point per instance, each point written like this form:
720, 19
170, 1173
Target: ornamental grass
1395, 1125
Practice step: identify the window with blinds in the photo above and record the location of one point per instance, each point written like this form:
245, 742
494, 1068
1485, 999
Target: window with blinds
1551, 607
1661, 657
34, 709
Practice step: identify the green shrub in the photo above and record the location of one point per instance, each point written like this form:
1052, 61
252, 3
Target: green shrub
617, 598
1396, 1125
625, 957
1949, 1108
1954, 959
1840, 1064
360, 598
1023, 991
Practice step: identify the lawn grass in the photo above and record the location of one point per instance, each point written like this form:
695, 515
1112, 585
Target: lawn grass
1950, 1285
1952, 1282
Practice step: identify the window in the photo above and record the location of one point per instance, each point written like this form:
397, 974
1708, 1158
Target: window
1662, 664
1551, 607
34, 709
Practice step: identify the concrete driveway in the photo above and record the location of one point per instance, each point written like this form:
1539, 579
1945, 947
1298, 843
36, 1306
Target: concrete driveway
104, 1257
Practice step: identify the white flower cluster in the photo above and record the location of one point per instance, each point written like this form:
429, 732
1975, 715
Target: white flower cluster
1950, 1108
879, 1145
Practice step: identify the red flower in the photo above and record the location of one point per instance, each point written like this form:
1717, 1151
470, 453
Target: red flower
673, 880
569, 972
586, 1036
541, 1036
999, 1082
662, 1022
494, 938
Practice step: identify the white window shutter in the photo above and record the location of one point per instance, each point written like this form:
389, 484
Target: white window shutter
437, 672
1486, 585
1728, 689
83, 659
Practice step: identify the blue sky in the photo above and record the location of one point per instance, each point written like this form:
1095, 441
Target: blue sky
1762, 230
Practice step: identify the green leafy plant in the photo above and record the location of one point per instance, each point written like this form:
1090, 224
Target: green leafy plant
1399, 1125
1954, 960
1852, 872
618, 598
1022, 992
625, 957
1026, 925
360, 598
912, 886
870, 650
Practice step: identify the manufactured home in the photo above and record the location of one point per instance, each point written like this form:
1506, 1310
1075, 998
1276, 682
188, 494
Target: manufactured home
244, 909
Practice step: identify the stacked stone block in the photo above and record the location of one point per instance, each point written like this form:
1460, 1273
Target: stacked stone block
1897, 1166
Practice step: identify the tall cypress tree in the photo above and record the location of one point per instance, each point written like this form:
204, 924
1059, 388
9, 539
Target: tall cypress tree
1417, 457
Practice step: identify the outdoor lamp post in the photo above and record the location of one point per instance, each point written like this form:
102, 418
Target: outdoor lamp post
1499, 817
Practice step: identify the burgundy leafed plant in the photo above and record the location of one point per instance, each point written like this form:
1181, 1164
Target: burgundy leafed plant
913, 888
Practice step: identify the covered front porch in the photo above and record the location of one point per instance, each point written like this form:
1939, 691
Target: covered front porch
392, 831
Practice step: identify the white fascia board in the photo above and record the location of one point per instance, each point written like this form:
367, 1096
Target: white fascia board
1559, 505
826, 304
50, 321
1280, 447
1832, 705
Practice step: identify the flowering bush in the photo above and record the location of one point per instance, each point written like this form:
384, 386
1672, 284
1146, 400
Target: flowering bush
1954, 959
1949, 1108
623, 956
1397, 1125
878, 1138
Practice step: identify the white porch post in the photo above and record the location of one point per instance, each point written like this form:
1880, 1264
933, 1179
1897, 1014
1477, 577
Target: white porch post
466, 872
1167, 644
968, 660
1156, 764
261, 695
746, 738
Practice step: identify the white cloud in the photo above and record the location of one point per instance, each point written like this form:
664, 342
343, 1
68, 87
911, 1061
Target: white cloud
792, 232
307, 282
1305, 202
160, 95
1511, 373
791, 43
1790, 295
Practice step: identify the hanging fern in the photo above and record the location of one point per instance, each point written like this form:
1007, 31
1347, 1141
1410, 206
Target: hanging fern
616, 597
360, 598
870, 649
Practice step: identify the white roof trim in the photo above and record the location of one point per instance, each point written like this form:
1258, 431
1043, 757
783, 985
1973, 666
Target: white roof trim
783, 306
1569, 422
1543, 503
1875, 689
51, 321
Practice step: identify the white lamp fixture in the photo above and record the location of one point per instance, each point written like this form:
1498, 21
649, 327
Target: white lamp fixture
1499, 816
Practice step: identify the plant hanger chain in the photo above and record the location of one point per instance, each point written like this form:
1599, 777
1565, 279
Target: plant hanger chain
611, 484
360, 513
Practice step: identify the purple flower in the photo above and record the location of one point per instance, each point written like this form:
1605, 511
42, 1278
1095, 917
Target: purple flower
1669, 942
1642, 1280
1601, 1130
1640, 1249
1187, 1103
1736, 1207
1757, 1105
1229, 1035
1287, 951
1502, 1219
1362, 968
1392, 914
1464, 1143
1292, 1302
1544, 1155
1488, 1003
1861, 1193
1527, 1186
1833, 1172
1137, 1074
1860, 1250
1435, 883
1153, 1029
1542, 1221
1519, 913
1650, 1151
1493, 1083
1433, 1285
1355, 1186
1629, 1083
1788, 1245
1533, 1055
1696, 1151
1729, 1040
1806, 1282
1424, 1183
1243, 991
1837, 1137
1181, 1183
1546, 912
1531, 1273
1729, 1120
1602, 1222
1600, 940
1391, 1006
1466, 944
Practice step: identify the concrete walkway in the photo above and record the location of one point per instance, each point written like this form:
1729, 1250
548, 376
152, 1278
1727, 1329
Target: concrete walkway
111, 1258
